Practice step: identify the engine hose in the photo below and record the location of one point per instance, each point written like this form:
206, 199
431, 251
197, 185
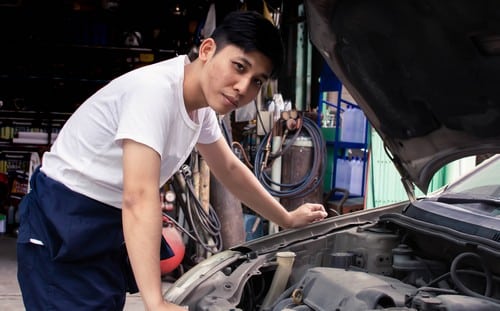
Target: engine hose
458, 283
307, 183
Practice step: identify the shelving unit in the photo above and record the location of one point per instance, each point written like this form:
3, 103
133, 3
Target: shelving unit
59, 77
332, 106
43, 126
55, 54
24, 136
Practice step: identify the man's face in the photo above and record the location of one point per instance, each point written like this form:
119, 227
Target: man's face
232, 78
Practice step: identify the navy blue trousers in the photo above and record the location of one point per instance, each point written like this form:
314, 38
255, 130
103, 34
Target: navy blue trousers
71, 252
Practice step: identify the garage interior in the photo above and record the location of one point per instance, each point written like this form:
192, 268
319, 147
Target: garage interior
57, 53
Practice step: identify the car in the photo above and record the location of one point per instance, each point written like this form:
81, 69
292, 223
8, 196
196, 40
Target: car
425, 75
439, 252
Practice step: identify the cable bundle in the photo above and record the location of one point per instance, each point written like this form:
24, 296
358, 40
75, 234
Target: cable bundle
204, 228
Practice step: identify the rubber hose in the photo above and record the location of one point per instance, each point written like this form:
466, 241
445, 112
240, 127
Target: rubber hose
311, 180
461, 286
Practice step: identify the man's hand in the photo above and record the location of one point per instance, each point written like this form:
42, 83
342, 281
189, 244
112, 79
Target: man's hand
306, 214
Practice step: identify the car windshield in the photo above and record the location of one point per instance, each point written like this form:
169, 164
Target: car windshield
478, 192
484, 183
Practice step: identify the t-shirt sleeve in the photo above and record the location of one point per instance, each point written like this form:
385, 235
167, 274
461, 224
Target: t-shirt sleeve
210, 131
142, 118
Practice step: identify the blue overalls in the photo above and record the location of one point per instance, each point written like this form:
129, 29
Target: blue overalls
71, 251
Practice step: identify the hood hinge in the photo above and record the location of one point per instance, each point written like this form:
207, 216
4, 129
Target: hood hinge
407, 183
409, 188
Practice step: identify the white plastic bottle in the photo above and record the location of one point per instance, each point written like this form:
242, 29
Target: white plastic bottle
343, 174
347, 124
359, 130
339, 174
356, 177
363, 128
356, 125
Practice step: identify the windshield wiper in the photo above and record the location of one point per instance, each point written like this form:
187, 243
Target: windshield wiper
453, 199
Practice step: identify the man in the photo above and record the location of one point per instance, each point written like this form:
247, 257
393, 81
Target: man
98, 186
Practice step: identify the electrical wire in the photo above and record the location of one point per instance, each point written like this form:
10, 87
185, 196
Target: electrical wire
310, 181
259, 117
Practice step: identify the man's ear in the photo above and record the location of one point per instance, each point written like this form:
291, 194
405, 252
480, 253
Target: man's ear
207, 49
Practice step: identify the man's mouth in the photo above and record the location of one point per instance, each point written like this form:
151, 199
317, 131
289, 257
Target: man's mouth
233, 101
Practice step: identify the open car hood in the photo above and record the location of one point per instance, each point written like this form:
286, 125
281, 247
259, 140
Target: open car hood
426, 74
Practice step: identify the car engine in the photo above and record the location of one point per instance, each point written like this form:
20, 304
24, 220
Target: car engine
394, 263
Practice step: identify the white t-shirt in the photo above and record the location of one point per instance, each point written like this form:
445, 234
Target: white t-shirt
145, 105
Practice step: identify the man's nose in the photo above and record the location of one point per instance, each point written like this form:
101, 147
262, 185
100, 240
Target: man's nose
243, 85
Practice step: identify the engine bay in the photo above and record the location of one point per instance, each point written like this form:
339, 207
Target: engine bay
393, 263
387, 266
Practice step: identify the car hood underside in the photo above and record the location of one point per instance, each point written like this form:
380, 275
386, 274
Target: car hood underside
426, 74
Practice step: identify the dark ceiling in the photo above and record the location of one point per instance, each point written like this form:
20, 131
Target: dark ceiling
58, 52
167, 24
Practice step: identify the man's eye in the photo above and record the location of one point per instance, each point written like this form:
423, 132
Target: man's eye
238, 66
259, 82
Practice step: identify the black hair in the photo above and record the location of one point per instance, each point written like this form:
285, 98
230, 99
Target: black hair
251, 31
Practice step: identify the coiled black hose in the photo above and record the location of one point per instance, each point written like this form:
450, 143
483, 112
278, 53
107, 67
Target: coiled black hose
307, 183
